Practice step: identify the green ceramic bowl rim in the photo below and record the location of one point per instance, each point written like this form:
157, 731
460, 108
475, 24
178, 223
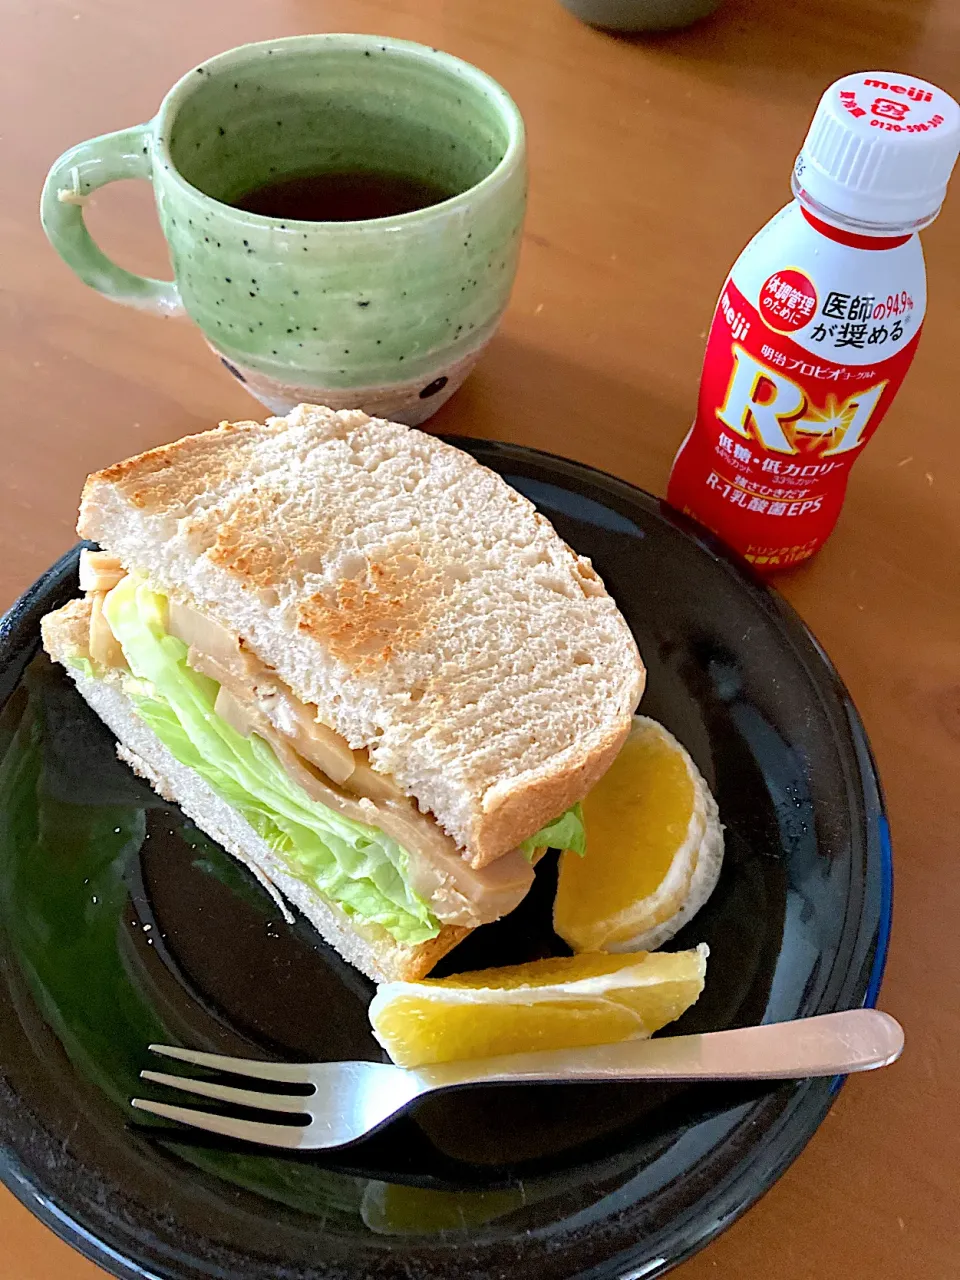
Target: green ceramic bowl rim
245, 53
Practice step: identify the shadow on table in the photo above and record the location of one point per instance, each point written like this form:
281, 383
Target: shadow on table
525, 394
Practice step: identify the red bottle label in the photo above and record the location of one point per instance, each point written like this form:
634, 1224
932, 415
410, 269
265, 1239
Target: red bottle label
779, 426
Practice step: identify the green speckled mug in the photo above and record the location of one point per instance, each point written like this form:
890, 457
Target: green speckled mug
389, 314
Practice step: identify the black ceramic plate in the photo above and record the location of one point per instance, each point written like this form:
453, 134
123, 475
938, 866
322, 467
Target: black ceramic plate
121, 924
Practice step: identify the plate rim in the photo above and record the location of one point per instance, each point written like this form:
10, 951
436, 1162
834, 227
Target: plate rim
728, 1199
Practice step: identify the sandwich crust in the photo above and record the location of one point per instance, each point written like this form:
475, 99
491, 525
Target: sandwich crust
425, 607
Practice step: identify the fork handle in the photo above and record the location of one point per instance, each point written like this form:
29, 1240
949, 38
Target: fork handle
828, 1045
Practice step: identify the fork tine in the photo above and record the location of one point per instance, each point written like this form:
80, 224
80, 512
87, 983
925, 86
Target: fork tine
225, 1093
287, 1072
271, 1135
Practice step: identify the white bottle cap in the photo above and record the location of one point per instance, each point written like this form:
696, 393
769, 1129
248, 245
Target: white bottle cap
880, 149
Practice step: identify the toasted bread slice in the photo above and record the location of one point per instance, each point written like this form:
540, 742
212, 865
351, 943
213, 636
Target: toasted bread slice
425, 607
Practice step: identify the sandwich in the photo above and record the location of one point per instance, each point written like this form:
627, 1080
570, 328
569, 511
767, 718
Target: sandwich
359, 661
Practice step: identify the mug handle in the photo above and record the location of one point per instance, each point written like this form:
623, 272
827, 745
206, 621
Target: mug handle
80, 171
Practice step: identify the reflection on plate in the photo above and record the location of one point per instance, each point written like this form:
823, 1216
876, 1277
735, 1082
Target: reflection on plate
121, 924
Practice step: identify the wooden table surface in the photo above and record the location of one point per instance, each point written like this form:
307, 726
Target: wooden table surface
652, 162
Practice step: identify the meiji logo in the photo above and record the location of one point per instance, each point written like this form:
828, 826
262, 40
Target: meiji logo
739, 325
889, 114
912, 91
889, 109
773, 404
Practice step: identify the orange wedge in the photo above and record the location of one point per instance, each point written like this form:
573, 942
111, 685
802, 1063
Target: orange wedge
561, 1003
654, 849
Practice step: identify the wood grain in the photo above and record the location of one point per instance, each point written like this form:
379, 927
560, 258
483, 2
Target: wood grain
652, 162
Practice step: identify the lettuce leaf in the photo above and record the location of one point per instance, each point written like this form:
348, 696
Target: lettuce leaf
81, 664
358, 866
565, 832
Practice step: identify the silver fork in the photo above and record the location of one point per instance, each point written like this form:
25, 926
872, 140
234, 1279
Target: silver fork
351, 1099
